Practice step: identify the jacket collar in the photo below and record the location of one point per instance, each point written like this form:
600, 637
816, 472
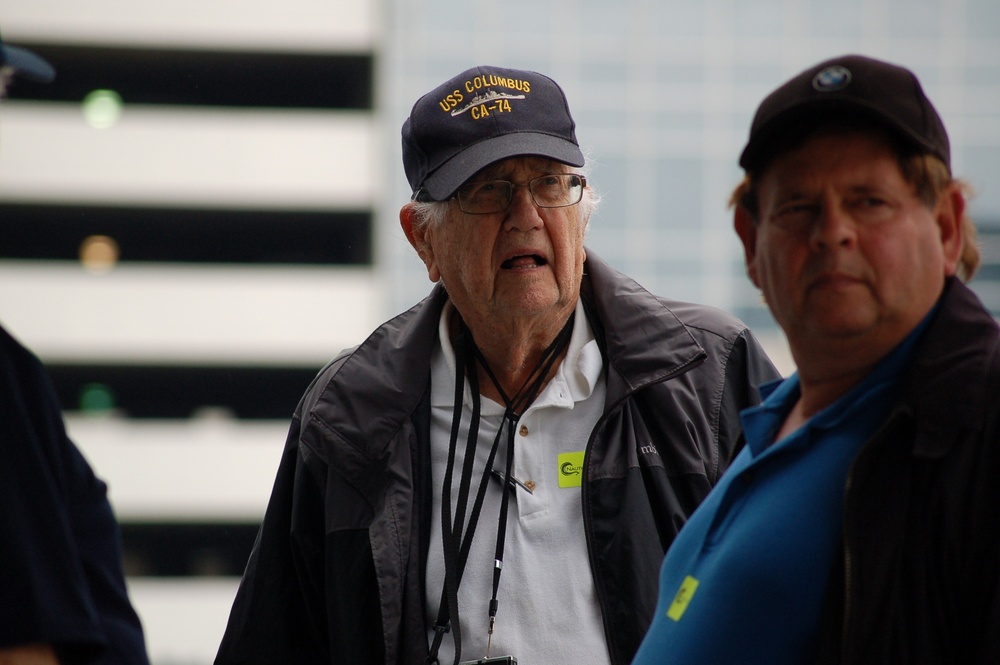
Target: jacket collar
390, 369
642, 338
946, 383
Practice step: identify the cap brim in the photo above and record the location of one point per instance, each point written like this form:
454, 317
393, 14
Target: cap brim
448, 177
759, 149
26, 64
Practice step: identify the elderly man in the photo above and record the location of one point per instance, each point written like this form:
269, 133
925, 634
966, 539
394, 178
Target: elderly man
861, 522
62, 589
499, 470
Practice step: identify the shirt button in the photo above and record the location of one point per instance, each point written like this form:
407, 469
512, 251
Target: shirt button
523, 431
530, 484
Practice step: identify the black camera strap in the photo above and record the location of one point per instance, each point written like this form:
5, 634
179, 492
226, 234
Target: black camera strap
456, 543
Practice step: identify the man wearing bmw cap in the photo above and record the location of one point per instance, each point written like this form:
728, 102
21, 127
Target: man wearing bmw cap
62, 588
861, 522
570, 420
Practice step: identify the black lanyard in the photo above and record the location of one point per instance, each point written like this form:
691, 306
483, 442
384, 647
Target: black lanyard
456, 544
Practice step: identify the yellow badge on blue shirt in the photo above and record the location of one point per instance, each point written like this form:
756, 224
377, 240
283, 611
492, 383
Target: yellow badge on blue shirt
683, 597
570, 466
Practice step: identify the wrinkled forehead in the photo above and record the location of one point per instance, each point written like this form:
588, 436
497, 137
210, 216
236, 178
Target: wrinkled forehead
847, 160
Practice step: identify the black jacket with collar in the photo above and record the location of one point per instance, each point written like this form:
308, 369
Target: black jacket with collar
919, 578
336, 574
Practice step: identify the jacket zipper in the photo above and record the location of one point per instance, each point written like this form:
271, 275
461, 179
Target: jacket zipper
848, 532
584, 489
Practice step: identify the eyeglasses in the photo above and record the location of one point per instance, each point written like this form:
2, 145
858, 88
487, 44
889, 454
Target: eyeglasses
485, 197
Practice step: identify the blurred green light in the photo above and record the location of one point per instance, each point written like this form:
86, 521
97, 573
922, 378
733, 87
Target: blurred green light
102, 108
96, 398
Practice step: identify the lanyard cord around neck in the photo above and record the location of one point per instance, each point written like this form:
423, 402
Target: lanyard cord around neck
456, 544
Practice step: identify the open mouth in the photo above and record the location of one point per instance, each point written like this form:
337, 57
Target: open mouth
524, 261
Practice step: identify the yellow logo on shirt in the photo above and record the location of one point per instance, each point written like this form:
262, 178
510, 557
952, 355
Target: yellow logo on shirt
570, 466
683, 597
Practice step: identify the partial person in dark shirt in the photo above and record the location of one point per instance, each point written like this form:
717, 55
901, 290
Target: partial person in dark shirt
63, 598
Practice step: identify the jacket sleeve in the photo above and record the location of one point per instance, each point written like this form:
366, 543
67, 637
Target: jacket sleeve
278, 612
989, 649
746, 369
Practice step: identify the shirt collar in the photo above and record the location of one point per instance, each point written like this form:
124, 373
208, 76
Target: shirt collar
579, 371
760, 422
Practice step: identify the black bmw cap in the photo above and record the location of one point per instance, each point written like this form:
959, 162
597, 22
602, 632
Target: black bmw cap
850, 85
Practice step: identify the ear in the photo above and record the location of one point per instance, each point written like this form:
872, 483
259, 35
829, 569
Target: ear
746, 229
420, 239
948, 214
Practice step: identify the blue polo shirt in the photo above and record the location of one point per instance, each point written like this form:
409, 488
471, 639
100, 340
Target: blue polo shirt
744, 580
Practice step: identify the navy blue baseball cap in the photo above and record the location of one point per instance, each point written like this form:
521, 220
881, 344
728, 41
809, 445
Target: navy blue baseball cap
484, 115
25, 63
846, 87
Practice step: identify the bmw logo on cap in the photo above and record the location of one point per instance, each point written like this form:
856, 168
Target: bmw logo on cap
832, 78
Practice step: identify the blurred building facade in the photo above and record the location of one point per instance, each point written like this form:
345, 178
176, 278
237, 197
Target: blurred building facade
202, 209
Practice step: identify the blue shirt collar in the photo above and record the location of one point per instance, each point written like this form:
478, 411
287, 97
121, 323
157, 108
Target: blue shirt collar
760, 423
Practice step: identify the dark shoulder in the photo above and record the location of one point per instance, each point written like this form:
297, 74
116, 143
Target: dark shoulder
705, 318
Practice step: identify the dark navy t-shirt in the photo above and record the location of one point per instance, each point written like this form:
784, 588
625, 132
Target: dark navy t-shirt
61, 577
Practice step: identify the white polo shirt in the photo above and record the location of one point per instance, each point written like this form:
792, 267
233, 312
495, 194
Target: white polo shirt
548, 612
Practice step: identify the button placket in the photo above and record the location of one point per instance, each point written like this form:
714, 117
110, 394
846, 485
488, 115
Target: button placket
527, 460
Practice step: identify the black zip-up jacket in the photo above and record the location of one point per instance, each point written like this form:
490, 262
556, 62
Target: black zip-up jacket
336, 574
919, 577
